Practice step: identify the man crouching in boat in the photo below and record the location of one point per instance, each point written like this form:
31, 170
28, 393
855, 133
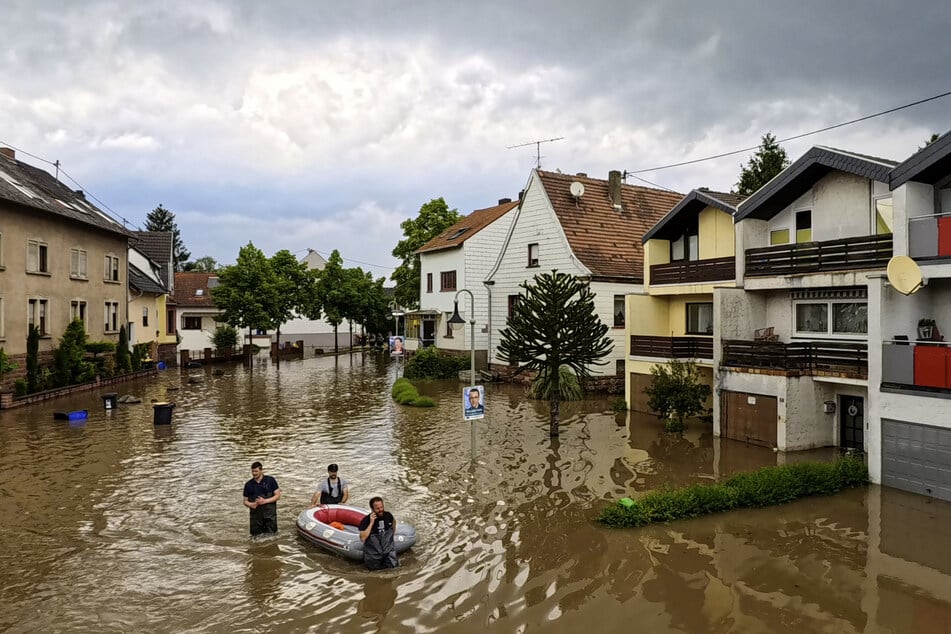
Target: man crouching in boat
376, 531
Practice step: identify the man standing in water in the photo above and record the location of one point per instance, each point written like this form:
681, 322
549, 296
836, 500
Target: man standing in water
333, 490
377, 530
261, 494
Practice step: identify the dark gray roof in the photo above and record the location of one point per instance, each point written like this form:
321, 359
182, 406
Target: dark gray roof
795, 180
928, 165
157, 246
31, 187
693, 203
142, 282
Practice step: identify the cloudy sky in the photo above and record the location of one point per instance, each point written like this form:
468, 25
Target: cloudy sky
323, 125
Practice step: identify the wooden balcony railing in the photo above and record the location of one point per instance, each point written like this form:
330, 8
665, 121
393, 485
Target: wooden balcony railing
672, 347
808, 357
713, 270
867, 252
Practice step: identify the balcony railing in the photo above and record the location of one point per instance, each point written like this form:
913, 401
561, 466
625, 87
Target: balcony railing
713, 270
806, 357
867, 252
929, 236
672, 347
919, 365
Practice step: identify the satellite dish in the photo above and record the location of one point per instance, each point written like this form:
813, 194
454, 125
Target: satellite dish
904, 274
577, 189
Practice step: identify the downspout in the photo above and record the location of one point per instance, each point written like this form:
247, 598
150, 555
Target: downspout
488, 345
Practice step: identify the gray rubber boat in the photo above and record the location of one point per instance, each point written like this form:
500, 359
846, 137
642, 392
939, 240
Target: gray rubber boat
321, 525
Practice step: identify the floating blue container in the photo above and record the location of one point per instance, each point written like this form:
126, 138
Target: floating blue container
80, 414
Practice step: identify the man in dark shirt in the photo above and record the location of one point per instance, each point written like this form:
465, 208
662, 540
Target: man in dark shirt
377, 530
261, 494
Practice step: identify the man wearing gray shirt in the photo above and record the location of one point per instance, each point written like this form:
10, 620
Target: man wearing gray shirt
333, 490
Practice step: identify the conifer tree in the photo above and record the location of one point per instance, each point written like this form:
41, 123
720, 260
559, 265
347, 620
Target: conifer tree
161, 219
770, 159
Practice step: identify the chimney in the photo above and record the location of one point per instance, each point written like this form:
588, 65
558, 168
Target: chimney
80, 193
8, 152
521, 195
503, 201
582, 174
614, 188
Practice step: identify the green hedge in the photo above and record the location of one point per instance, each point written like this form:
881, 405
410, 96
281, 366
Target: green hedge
405, 393
433, 363
766, 487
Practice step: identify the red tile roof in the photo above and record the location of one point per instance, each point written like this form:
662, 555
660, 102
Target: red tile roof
607, 240
473, 223
187, 286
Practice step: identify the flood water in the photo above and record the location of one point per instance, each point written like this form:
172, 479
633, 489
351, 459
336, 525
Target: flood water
117, 525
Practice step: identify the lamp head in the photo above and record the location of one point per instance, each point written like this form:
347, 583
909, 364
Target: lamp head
456, 321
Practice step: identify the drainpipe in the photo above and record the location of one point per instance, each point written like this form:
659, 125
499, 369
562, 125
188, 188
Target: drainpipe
488, 333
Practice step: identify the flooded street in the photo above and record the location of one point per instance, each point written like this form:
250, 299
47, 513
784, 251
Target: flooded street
117, 525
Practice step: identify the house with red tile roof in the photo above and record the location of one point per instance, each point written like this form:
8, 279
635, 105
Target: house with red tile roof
589, 227
195, 309
458, 258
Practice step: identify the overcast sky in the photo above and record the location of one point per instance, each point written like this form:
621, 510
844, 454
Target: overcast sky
323, 125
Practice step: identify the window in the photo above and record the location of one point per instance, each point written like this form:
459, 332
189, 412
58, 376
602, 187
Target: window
883, 214
38, 314
170, 321
619, 367
199, 292
687, 245
513, 301
36, 257
700, 318
533, 255
618, 311
677, 249
191, 323
111, 317
429, 282
779, 236
213, 282
111, 268
831, 318
447, 281
804, 226
77, 310
145, 316
77, 264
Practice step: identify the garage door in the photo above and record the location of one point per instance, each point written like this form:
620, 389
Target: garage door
916, 458
748, 417
638, 398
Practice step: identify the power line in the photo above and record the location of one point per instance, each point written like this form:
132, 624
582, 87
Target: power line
792, 138
327, 255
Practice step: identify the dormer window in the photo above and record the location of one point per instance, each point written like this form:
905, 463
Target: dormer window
199, 292
458, 233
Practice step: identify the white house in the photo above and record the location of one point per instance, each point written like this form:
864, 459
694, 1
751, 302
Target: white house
195, 309
458, 258
587, 227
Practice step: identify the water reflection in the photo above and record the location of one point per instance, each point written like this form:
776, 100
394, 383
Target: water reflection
100, 521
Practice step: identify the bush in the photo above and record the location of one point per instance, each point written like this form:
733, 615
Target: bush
33, 360
225, 339
618, 405
676, 392
19, 388
123, 360
140, 351
404, 393
765, 487
69, 358
98, 347
433, 363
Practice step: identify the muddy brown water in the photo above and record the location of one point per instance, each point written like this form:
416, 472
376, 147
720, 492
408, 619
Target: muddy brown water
116, 525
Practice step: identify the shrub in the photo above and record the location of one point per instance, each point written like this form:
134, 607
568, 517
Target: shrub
765, 487
676, 392
225, 339
618, 405
404, 393
140, 351
19, 388
123, 360
33, 360
98, 347
69, 358
5, 364
433, 363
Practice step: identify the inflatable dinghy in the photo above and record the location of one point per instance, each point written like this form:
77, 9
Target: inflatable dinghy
335, 527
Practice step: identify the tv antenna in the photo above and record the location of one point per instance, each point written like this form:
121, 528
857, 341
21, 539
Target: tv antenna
538, 148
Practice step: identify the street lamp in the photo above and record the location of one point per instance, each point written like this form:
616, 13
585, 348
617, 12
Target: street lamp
456, 322
397, 312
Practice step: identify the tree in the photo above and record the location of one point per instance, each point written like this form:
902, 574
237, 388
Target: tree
934, 137
770, 159
69, 359
554, 324
32, 359
204, 264
331, 288
225, 339
123, 360
246, 290
293, 288
161, 219
434, 218
676, 393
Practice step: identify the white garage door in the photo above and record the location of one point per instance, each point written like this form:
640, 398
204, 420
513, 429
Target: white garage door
917, 458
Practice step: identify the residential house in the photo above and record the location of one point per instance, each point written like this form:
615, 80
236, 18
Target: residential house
588, 227
459, 259
195, 311
151, 314
61, 258
909, 432
688, 253
791, 344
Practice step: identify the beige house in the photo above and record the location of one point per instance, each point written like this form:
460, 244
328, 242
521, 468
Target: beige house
61, 258
151, 280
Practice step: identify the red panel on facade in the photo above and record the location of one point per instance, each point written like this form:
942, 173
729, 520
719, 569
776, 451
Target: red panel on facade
931, 366
944, 236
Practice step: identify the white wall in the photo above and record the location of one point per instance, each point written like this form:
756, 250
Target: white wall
841, 206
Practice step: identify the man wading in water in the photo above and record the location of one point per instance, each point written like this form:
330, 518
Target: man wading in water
261, 494
333, 490
377, 530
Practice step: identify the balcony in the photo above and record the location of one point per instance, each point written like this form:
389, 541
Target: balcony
693, 272
924, 366
841, 358
867, 252
929, 236
672, 347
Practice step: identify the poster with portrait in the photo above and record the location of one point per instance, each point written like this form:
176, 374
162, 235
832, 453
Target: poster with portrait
396, 345
473, 402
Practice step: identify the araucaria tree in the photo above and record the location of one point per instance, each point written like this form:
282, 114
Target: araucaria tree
554, 324
770, 159
676, 393
161, 219
434, 218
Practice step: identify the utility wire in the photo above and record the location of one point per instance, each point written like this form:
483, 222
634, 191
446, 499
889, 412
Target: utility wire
794, 137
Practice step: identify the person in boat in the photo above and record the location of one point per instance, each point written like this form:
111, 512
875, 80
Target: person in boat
261, 494
377, 531
333, 490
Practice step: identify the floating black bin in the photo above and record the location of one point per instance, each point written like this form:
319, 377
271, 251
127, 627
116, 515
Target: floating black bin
162, 413
110, 400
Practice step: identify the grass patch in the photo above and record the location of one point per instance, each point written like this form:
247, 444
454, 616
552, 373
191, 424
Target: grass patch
404, 393
765, 487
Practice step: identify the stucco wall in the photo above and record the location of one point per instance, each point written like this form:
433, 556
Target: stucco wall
716, 234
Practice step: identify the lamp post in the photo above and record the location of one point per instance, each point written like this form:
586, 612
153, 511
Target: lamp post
456, 322
397, 312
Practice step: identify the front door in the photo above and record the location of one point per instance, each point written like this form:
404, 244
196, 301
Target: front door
852, 422
429, 332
